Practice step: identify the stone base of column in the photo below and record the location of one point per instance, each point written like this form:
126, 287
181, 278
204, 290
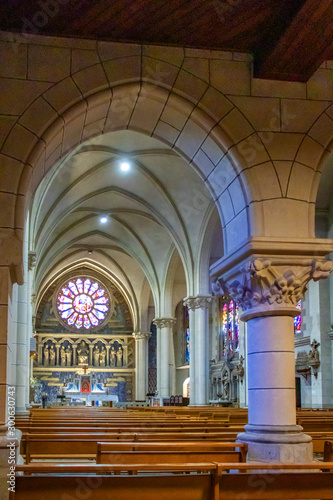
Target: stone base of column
274, 443
22, 411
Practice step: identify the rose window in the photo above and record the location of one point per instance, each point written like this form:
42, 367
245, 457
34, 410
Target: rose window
83, 303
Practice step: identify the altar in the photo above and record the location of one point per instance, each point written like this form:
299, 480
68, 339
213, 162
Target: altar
86, 388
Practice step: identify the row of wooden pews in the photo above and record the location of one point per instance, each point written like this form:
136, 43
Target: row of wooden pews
201, 481
184, 453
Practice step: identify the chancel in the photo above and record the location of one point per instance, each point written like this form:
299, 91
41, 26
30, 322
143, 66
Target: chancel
166, 243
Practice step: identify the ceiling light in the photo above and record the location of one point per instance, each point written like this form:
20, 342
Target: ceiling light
125, 166
103, 220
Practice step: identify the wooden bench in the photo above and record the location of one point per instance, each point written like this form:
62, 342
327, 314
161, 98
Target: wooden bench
67, 445
328, 451
148, 482
170, 452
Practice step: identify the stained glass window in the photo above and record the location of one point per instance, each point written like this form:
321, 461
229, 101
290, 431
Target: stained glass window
187, 335
298, 319
229, 327
83, 303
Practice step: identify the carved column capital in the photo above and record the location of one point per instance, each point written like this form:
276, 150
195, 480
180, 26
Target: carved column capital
141, 335
32, 259
195, 302
164, 322
264, 287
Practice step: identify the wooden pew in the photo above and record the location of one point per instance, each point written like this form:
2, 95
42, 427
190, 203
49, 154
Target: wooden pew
170, 452
328, 451
206, 482
66, 445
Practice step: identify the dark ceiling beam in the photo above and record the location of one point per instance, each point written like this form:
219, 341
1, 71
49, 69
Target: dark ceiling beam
303, 46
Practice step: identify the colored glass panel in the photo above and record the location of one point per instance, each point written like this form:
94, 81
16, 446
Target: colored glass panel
93, 319
68, 293
298, 319
79, 285
99, 314
64, 307
78, 322
93, 288
101, 308
236, 323
67, 314
87, 284
187, 355
73, 288
83, 304
72, 319
86, 322
224, 329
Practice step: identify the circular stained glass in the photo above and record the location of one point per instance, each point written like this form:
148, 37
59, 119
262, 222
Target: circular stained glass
83, 303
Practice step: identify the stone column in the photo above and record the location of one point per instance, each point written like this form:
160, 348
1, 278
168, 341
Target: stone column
141, 364
91, 354
268, 291
74, 355
164, 346
107, 363
199, 347
57, 354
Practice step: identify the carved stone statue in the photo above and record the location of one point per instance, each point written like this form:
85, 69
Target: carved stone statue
46, 355
62, 356
314, 353
68, 356
225, 385
113, 356
52, 356
102, 356
239, 369
83, 353
119, 357
96, 356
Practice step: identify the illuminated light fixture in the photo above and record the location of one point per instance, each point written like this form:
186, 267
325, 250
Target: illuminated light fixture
103, 220
125, 166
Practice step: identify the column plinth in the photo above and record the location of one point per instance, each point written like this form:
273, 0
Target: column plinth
268, 290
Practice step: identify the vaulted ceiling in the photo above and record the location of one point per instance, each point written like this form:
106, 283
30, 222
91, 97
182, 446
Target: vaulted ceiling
150, 223
289, 39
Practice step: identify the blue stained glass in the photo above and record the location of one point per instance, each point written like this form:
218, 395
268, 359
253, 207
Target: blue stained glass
73, 288
93, 319
102, 300
67, 314
93, 288
187, 355
64, 307
78, 323
298, 319
79, 285
101, 308
64, 299
99, 314
72, 319
87, 284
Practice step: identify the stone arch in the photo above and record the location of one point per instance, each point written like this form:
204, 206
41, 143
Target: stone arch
100, 269
199, 135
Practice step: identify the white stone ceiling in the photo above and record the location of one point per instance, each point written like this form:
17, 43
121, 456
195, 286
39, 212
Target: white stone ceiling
159, 208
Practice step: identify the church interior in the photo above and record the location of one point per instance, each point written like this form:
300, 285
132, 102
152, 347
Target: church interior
166, 236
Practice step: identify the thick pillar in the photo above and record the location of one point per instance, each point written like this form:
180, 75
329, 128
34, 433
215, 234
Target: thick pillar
268, 291
199, 347
164, 345
141, 365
